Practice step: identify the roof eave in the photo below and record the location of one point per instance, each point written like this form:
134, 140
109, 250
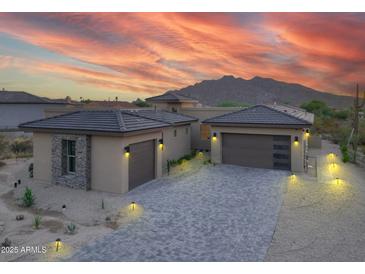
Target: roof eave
225, 124
93, 132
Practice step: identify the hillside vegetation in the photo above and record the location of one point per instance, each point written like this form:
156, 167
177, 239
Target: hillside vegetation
334, 124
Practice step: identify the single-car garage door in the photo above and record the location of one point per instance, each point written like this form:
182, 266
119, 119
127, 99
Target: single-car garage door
261, 151
141, 163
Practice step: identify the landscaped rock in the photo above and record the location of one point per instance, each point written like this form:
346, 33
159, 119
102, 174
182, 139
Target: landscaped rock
2, 227
6, 243
19, 217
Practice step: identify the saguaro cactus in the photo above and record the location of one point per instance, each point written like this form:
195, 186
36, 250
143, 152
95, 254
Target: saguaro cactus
357, 108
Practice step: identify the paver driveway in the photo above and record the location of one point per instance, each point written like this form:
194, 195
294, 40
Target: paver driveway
220, 213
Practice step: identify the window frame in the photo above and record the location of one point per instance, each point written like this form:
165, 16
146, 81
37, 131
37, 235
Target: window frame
68, 156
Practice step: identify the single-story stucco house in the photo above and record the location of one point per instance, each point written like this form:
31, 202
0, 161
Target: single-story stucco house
108, 150
172, 101
117, 150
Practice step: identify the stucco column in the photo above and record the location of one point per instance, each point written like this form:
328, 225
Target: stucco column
297, 151
216, 146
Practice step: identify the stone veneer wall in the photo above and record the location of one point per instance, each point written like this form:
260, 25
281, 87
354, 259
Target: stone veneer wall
81, 178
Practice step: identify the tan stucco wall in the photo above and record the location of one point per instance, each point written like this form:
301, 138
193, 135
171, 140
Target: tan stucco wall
42, 153
175, 147
202, 114
297, 151
106, 164
110, 166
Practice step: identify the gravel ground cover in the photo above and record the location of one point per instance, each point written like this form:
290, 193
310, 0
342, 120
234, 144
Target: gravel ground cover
323, 219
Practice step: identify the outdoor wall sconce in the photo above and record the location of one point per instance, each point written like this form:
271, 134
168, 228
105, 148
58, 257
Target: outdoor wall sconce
296, 140
214, 138
126, 151
133, 205
160, 141
58, 244
307, 132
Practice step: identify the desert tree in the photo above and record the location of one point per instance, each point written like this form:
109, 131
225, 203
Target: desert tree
358, 106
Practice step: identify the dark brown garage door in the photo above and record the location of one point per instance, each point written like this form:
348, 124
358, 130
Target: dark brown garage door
261, 151
141, 163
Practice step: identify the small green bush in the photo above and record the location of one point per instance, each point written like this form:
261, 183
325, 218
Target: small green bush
345, 153
28, 197
71, 228
37, 221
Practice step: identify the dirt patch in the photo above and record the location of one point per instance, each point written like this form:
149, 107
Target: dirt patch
14, 203
53, 226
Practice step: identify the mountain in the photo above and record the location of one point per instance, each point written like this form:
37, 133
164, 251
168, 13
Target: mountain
259, 90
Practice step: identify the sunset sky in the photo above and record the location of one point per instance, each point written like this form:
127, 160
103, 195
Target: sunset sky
132, 55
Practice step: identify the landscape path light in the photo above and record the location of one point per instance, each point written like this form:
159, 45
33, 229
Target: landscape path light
58, 244
133, 205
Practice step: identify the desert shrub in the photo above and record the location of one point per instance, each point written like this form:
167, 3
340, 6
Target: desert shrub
71, 228
141, 103
37, 221
341, 114
317, 107
4, 144
28, 197
345, 153
22, 147
341, 135
30, 170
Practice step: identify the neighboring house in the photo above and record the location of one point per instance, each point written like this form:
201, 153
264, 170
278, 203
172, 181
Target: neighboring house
172, 101
108, 150
260, 136
17, 107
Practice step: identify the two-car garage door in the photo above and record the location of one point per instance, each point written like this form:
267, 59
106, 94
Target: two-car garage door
260, 151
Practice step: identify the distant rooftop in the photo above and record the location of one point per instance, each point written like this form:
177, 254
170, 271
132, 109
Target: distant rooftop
171, 97
21, 97
112, 121
259, 115
163, 116
109, 104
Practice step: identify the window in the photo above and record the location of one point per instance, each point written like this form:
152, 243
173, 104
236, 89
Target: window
175, 132
69, 156
187, 130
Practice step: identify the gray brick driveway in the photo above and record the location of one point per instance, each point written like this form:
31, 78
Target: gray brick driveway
220, 213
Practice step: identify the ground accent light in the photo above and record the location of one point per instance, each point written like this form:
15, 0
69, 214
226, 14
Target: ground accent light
58, 244
126, 151
337, 180
133, 205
